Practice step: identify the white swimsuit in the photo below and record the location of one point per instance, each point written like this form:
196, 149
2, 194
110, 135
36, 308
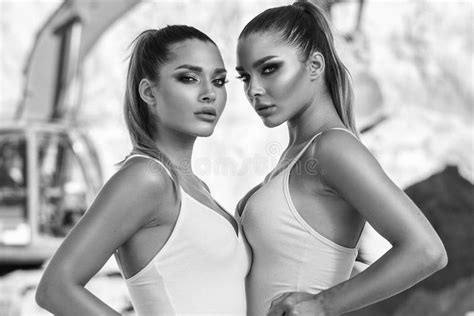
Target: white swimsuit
288, 254
199, 271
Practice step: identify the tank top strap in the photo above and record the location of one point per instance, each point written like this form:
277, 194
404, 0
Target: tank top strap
157, 161
302, 151
343, 129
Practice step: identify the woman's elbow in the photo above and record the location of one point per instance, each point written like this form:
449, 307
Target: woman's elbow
43, 294
435, 256
48, 292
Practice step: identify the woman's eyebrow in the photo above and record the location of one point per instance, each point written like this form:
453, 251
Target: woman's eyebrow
190, 67
200, 69
257, 63
262, 61
220, 71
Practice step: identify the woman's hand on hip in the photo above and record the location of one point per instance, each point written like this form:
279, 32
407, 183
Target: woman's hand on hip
298, 304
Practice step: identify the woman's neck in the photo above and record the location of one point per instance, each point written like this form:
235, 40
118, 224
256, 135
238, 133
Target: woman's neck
317, 116
178, 147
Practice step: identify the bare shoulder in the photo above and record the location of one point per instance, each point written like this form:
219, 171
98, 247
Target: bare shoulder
335, 147
337, 142
143, 183
340, 155
145, 173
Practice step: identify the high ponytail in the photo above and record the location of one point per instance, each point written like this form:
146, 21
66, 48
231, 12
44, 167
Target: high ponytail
306, 26
337, 76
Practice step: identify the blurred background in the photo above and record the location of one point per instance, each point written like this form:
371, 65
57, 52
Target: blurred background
62, 78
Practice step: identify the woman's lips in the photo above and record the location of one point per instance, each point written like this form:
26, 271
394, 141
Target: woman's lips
265, 110
206, 117
207, 114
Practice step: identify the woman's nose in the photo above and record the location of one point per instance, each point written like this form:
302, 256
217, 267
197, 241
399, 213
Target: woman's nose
208, 94
254, 89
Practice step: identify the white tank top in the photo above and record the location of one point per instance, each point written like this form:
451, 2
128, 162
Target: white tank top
199, 271
288, 254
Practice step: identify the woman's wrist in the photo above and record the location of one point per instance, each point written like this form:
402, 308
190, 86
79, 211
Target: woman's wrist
325, 300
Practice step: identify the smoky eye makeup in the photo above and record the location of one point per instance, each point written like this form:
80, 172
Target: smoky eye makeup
270, 67
219, 82
187, 77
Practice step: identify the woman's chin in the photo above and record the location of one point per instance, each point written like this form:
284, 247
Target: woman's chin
206, 135
205, 132
269, 122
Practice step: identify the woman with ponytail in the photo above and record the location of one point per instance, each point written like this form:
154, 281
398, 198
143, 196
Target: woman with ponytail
304, 222
179, 251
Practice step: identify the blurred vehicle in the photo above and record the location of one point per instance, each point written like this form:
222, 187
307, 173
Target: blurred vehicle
49, 168
49, 173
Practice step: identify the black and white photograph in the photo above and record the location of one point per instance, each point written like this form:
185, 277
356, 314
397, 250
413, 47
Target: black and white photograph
237, 157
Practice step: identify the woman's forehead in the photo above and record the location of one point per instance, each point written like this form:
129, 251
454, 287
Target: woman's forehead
260, 45
195, 52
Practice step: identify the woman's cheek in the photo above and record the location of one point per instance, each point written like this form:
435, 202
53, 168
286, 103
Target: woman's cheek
285, 85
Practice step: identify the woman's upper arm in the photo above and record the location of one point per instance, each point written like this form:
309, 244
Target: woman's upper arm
351, 170
127, 202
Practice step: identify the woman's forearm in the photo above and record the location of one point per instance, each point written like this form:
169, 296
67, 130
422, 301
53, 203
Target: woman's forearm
71, 300
399, 269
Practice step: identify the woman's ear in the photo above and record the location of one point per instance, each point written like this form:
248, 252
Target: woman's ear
145, 88
316, 65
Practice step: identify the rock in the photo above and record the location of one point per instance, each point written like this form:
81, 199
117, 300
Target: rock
447, 200
454, 300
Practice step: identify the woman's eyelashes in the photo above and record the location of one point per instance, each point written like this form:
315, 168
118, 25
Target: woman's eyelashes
220, 82
188, 78
269, 68
193, 78
265, 70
